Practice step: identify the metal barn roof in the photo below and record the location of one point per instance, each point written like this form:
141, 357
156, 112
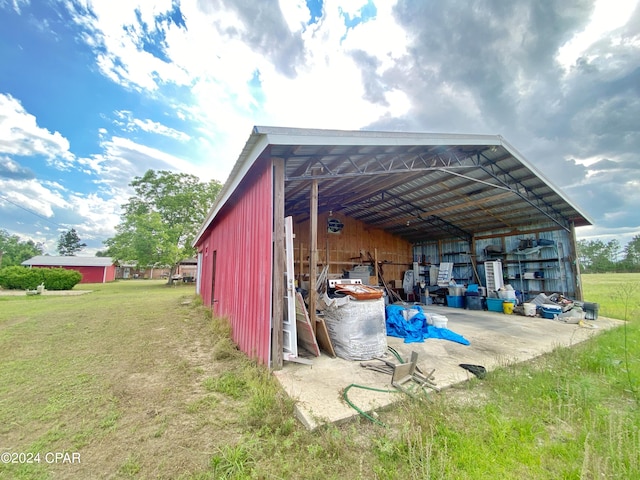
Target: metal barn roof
68, 261
418, 186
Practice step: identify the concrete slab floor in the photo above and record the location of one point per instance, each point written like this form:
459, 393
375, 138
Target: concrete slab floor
496, 339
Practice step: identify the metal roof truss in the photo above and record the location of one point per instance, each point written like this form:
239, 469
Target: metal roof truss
420, 191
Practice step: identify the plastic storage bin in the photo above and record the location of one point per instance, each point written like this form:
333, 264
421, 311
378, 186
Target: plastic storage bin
591, 310
507, 295
474, 302
494, 304
455, 301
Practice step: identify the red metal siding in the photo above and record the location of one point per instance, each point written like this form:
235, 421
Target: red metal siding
110, 275
90, 274
241, 237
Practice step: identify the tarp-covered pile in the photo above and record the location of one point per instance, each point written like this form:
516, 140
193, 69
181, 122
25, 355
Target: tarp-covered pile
416, 328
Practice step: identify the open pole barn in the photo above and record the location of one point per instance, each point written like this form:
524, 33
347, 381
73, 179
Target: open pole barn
93, 269
397, 201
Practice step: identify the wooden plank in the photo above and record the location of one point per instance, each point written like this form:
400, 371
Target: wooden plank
306, 335
300, 264
277, 285
313, 253
377, 265
575, 262
322, 336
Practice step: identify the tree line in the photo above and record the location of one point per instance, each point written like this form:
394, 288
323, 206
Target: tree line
597, 256
14, 250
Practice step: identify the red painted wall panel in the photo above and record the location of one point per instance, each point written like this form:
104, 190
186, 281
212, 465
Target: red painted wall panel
91, 274
241, 237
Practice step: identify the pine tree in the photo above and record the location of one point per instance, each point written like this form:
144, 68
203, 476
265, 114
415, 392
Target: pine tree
69, 243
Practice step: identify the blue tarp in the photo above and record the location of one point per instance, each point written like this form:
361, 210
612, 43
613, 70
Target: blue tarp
416, 328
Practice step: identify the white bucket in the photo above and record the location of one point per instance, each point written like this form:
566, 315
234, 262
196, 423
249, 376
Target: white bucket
438, 320
529, 309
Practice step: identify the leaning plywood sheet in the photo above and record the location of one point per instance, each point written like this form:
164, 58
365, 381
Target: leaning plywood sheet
324, 340
306, 337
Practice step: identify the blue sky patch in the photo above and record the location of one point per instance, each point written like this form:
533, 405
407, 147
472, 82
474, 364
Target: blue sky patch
315, 8
366, 13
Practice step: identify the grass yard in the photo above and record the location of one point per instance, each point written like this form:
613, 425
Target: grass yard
137, 381
617, 293
128, 376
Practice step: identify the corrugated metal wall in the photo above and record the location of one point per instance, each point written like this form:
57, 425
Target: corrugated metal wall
240, 240
552, 265
92, 274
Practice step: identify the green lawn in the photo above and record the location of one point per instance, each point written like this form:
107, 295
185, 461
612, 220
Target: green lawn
138, 381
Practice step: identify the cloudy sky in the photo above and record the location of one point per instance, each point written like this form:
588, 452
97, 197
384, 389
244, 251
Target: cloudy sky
94, 93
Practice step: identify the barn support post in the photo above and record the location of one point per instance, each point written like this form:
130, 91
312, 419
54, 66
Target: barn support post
575, 263
313, 253
277, 282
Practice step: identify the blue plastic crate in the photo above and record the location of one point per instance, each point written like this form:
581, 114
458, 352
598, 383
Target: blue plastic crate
474, 303
495, 304
455, 301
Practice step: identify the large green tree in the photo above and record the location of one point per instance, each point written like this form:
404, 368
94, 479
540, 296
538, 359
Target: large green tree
14, 251
69, 243
160, 221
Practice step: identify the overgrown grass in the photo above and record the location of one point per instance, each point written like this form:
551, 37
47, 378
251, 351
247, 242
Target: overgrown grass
139, 380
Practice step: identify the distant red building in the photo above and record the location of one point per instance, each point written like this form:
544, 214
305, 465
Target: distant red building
93, 269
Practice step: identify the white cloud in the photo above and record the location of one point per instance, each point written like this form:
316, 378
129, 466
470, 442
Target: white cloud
123, 159
33, 195
127, 122
603, 20
387, 48
117, 34
20, 135
16, 4
328, 91
97, 216
295, 13
155, 127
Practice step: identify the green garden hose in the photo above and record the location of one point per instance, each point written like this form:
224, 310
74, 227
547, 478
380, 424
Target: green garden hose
361, 412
